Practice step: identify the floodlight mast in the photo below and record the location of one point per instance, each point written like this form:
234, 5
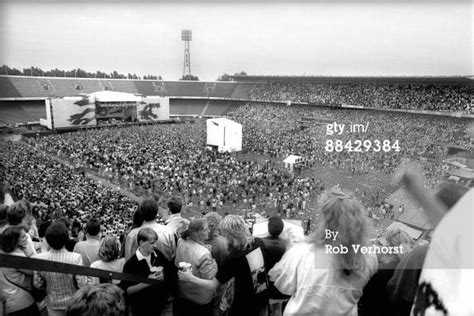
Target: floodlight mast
187, 37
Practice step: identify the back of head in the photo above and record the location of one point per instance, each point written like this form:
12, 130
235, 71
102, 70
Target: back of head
57, 235
98, 300
233, 228
396, 237
145, 234
344, 214
93, 227
137, 219
109, 249
213, 220
175, 205
195, 226
17, 212
449, 193
10, 238
275, 226
148, 208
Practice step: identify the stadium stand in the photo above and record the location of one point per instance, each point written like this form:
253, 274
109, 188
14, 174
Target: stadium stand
222, 89
220, 107
243, 90
29, 111
28, 87
22, 86
187, 107
7, 89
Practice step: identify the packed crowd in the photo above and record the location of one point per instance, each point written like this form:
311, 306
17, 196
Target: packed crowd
213, 266
394, 96
172, 160
72, 219
278, 130
57, 191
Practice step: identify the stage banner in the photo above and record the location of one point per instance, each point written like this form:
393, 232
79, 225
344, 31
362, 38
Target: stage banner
72, 111
153, 108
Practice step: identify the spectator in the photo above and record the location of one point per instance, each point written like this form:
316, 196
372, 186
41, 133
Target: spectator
137, 221
275, 248
109, 260
175, 221
16, 284
18, 214
374, 300
147, 299
219, 247
166, 239
327, 283
245, 263
447, 277
5, 195
98, 300
191, 249
402, 285
89, 248
59, 286
219, 251
3, 218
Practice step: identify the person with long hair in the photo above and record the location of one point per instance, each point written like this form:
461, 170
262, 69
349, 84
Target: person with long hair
109, 252
245, 264
319, 280
193, 299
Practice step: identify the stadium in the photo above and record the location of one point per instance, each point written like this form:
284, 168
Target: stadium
131, 162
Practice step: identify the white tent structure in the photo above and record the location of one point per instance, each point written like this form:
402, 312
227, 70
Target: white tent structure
225, 134
291, 161
292, 230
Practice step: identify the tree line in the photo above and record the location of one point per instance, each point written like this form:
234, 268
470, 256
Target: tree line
78, 73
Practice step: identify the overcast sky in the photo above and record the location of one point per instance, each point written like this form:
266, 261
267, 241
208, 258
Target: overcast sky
419, 37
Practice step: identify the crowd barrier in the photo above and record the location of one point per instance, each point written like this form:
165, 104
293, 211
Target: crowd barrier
16, 262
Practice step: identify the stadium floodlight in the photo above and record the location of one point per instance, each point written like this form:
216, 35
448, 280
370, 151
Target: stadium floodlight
187, 37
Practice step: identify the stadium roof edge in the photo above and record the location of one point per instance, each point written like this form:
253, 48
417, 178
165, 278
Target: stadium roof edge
461, 79
113, 79
76, 78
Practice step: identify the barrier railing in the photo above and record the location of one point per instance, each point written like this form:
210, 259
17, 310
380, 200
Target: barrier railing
9, 261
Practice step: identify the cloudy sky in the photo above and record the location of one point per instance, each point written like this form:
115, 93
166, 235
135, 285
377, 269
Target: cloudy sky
385, 37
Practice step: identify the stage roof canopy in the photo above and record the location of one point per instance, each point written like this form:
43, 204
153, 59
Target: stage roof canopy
113, 96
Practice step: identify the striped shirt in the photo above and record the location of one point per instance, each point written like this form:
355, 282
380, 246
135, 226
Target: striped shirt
59, 286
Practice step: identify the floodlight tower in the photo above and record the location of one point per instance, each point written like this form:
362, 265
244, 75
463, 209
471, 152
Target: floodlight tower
187, 37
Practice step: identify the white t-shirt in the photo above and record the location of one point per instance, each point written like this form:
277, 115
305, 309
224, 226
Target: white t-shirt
447, 280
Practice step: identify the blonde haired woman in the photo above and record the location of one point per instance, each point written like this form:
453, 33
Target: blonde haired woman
108, 253
319, 280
